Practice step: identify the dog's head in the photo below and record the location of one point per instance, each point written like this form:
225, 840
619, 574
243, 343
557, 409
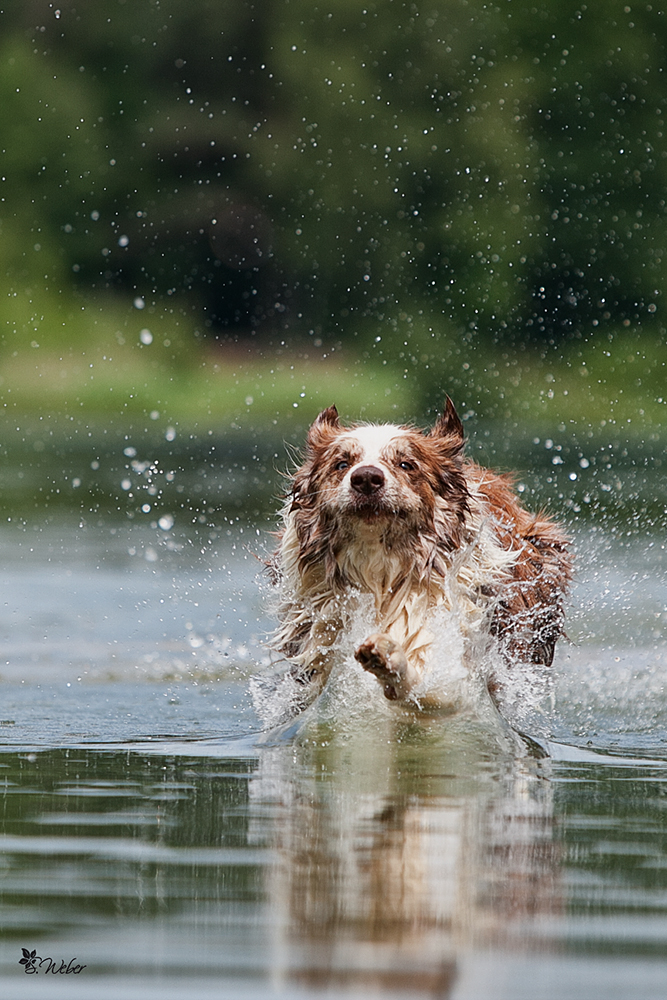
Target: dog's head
395, 479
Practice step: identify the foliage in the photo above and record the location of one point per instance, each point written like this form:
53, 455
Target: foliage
427, 174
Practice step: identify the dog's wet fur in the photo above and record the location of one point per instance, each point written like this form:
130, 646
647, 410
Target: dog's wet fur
399, 514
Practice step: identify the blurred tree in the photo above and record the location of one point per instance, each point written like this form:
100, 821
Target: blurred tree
500, 167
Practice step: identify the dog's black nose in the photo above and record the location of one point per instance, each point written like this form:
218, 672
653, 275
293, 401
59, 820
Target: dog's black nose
367, 479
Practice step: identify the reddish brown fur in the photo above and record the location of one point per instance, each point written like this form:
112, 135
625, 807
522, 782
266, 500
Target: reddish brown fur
529, 613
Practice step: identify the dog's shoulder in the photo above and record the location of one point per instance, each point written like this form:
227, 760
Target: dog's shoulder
497, 495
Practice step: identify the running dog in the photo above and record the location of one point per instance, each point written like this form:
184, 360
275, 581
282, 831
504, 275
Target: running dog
400, 516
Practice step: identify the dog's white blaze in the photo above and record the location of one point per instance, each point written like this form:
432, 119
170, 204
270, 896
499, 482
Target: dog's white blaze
373, 440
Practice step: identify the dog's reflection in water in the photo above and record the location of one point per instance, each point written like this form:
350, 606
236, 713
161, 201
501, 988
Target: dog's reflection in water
397, 848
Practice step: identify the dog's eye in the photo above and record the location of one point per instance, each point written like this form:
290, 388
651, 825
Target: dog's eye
342, 465
406, 466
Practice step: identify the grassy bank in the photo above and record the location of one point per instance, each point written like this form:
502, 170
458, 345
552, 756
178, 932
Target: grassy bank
134, 413
109, 362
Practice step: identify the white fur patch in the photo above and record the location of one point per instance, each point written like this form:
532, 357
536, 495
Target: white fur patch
373, 439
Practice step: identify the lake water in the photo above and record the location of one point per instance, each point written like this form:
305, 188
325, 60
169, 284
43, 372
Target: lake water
152, 831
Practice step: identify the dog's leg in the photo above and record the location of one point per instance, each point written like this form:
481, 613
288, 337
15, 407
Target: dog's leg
381, 656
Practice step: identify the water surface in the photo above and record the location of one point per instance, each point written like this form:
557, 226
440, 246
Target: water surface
154, 833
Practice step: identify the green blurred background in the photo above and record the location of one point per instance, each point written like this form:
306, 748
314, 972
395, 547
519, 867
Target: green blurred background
217, 217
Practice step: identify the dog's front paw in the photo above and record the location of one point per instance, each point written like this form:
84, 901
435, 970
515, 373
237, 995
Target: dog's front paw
380, 655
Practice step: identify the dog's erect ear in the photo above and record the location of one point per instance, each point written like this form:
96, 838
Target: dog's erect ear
448, 425
328, 416
326, 421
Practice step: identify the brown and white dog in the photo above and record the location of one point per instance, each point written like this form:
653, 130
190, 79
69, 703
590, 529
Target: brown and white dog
400, 516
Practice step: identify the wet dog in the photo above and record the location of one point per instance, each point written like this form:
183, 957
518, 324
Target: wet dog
399, 518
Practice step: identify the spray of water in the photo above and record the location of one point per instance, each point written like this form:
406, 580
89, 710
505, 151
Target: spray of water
456, 677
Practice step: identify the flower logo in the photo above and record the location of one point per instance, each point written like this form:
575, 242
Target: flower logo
29, 959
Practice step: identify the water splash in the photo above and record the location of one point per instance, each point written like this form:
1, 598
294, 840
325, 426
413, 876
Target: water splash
456, 676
